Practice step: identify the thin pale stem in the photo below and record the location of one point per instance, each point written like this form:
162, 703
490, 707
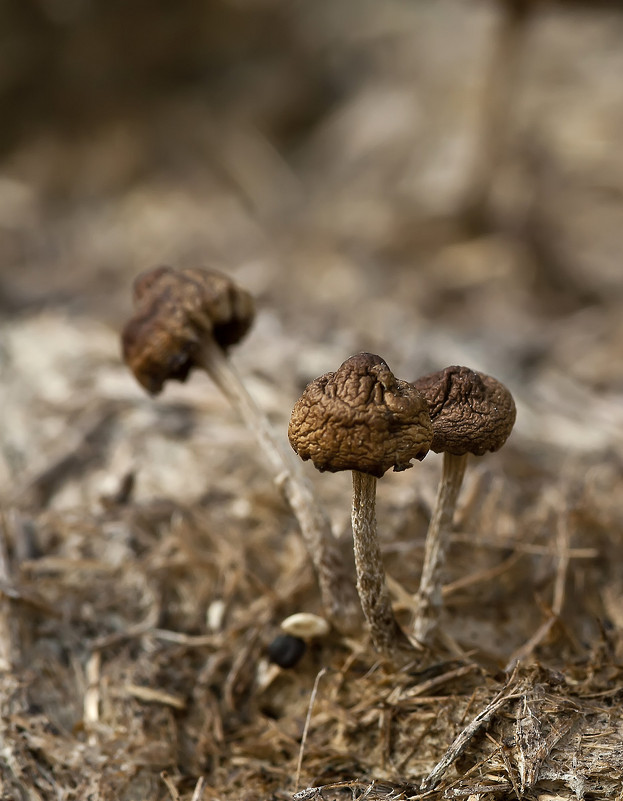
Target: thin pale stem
429, 597
335, 581
387, 636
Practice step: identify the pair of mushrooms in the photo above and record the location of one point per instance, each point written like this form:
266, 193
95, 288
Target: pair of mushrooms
359, 418
362, 418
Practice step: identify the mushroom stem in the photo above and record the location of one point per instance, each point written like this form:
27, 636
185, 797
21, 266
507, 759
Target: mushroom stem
429, 598
334, 579
386, 634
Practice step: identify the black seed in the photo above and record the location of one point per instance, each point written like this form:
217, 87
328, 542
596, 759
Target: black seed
286, 650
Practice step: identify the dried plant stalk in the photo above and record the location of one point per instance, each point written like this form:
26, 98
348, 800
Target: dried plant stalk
498, 96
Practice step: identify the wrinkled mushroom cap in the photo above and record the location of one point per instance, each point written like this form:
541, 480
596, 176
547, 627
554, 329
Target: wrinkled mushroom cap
471, 412
360, 417
175, 311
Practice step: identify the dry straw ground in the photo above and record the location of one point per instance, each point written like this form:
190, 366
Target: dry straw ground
321, 156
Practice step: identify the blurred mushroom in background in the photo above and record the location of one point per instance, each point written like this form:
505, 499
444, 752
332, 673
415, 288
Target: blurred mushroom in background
186, 319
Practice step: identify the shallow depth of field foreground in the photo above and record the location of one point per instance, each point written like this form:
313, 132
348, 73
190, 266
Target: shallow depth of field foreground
437, 183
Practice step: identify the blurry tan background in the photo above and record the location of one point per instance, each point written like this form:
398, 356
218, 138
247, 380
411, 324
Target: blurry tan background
325, 154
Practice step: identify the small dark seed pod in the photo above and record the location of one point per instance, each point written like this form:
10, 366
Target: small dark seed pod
286, 650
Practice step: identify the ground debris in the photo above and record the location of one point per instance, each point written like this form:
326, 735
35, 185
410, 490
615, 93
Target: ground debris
124, 673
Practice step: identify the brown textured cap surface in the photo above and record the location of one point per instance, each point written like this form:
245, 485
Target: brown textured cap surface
361, 417
471, 412
175, 311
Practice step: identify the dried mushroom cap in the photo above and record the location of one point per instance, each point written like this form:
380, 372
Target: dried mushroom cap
145, 281
175, 311
471, 412
360, 417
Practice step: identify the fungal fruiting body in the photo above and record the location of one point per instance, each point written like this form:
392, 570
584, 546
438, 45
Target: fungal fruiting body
362, 418
470, 413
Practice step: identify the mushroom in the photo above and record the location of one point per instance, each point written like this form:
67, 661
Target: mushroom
362, 418
297, 630
471, 413
187, 319
184, 319
305, 625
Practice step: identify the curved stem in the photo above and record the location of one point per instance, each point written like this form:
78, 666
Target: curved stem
387, 636
429, 595
335, 581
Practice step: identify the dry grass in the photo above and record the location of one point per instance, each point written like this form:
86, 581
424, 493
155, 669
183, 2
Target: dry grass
135, 643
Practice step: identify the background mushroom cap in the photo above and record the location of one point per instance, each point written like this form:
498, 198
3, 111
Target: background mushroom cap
471, 412
361, 417
175, 311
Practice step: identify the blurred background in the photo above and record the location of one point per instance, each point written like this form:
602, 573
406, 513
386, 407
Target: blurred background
437, 182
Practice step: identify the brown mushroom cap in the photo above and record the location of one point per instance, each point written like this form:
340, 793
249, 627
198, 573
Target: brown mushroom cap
361, 417
175, 311
471, 412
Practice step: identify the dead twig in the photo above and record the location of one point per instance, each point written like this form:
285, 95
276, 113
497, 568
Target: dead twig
463, 738
482, 575
199, 788
495, 111
454, 791
91, 700
170, 786
379, 791
426, 686
152, 695
507, 764
312, 699
520, 547
187, 640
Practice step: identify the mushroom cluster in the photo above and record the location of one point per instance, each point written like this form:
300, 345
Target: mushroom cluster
362, 418
359, 418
